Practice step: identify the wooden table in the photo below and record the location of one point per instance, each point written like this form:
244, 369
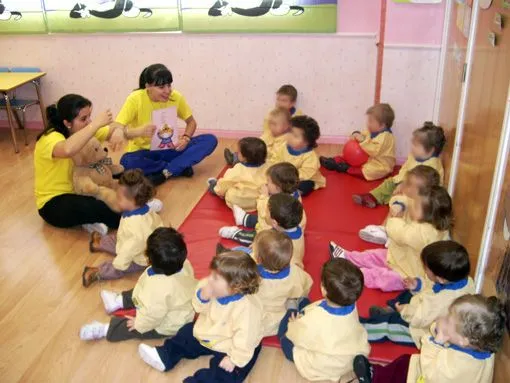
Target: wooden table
10, 81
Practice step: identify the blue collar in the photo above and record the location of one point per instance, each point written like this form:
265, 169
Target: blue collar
296, 194
151, 272
292, 110
422, 160
438, 287
294, 233
230, 298
374, 135
340, 311
284, 273
474, 353
295, 152
140, 211
250, 165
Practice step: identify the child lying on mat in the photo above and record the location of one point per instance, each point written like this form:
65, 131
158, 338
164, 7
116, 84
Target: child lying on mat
241, 185
416, 181
162, 295
138, 221
299, 151
460, 347
323, 338
285, 214
228, 327
280, 178
377, 141
410, 315
430, 217
426, 147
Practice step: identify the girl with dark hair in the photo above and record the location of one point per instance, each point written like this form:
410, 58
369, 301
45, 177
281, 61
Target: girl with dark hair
69, 128
155, 92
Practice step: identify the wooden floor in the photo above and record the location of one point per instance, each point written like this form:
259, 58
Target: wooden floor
42, 302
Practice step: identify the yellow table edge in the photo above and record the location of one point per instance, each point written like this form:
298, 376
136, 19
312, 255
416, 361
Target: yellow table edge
10, 80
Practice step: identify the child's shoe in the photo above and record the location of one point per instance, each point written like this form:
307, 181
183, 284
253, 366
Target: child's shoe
336, 251
150, 356
374, 234
101, 228
89, 276
239, 215
112, 301
155, 205
93, 331
367, 200
229, 232
211, 184
229, 156
376, 311
95, 241
362, 369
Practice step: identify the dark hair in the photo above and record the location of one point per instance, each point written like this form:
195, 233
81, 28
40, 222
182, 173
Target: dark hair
310, 128
481, 320
383, 113
138, 188
254, 150
67, 108
155, 74
431, 136
342, 280
428, 175
437, 208
285, 210
273, 249
166, 250
285, 176
239, 270
288, 90
446, 259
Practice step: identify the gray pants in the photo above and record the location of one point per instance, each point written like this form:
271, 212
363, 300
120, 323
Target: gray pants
107, 271
118, 331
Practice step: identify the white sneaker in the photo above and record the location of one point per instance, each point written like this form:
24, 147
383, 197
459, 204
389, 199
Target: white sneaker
155, 205
150, 356
374, 234
239, 215
101, 228
93, 331
112, 301
229, 231
336, 251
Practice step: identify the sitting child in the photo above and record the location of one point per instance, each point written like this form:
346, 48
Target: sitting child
460, 348
426, 147
285, 214
416, 181
286, 98
162, 295
430, 217
281, 280
241, 185
446, 264
138, 221
281, 178
377, 141
323, 338
228, 327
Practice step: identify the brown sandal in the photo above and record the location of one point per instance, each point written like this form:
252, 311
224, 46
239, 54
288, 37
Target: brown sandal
89, 276
95, 237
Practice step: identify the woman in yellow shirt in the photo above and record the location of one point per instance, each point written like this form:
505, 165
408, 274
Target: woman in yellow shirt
69, 129
135, 118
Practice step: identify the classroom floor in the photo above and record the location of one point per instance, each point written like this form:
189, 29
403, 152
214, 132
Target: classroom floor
43, 305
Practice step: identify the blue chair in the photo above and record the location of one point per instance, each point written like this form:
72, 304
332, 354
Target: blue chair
21, 105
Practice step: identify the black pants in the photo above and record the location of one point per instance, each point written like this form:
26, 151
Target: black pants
306, 187
118, 331
68, 210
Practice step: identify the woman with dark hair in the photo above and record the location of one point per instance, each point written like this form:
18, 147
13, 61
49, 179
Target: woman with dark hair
135, 118
69, 128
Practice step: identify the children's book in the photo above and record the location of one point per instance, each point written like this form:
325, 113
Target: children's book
165, 137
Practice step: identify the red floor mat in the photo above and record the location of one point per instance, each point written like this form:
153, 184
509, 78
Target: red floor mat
331, 216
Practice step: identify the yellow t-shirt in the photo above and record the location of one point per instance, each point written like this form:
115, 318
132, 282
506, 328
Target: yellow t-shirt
54, 176
137, 111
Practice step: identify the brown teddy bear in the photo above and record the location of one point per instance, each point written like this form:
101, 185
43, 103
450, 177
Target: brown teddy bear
93, 173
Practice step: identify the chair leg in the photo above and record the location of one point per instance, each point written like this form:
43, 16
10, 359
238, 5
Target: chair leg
9, 118
25, 126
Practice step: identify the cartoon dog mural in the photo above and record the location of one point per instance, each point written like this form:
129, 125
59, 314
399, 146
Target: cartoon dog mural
109, 9
254, 8
6, 15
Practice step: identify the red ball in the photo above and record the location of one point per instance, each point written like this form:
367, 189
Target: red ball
353, 154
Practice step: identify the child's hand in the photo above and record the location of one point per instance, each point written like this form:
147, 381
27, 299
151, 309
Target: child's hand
264, 191
183, 143
295, 316
130, 323
399, 307
117, 139
358, 137
103, 119
148, 130
411, 283
396, 211
227, 364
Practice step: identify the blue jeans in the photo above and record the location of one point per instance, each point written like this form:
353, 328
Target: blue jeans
185, 346
152, 162
286, 343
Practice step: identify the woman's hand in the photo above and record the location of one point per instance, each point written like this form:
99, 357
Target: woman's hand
103, 119
148, 130
183, 143
117, 139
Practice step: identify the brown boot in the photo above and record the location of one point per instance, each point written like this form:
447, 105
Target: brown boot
94, 242
89, 276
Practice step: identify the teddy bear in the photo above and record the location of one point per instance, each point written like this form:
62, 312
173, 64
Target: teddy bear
93, 173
